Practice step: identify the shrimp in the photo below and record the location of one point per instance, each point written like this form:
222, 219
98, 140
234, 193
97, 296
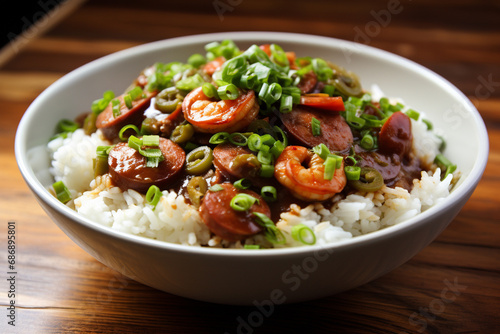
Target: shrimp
210, 116
307, 184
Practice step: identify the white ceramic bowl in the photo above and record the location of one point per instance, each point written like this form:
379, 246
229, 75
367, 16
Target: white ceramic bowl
278, 275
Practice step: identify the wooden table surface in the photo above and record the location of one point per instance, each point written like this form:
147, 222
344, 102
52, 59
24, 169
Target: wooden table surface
452, 286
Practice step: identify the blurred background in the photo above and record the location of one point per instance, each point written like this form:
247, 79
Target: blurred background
63, 289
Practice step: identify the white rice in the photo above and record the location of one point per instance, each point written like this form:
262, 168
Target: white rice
175, 221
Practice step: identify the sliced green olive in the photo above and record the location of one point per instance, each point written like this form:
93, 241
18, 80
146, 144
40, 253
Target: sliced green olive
196, 188
89, 126
199, 160
182, 133
260, 127
167, 100
346, 82
150, 126
246, 164
370, 180
101, 166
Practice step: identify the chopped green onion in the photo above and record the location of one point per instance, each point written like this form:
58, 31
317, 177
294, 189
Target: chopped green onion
316, 127
254, 142
242, 202
413, 114
219, 138
62, 192
330, 166
321, 68
352, 172
115, 107
271, 232
267, 170
103, 151
286, 103
445, 164
242, 184
128, 101
153, 196
428, 123
216, 187
190, 83
353, 120
151, 140
66, 125
209, 90
251, 246
265, 158
153, 155
121, 134
99, 105
234, 68
196, 60
238, 139
367, 142
135, 93
269, 193
321, 150
270, 93
249, 81
267, 139
329, 89
228, 92
304, 234
277, 149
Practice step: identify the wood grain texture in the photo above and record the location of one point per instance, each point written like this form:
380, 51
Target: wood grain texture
452, 286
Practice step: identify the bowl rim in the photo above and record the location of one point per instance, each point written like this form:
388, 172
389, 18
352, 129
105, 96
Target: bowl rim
458, 194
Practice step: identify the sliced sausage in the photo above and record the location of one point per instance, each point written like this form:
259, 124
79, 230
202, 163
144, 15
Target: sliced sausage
111, 125
127, 166
335, 132
226, 222
224, 155
395, 135
308, 82
389, 166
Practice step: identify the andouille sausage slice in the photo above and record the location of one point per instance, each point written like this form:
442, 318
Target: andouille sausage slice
395, 135
224, 221
335, 132
111, 125
224, 155
127, 166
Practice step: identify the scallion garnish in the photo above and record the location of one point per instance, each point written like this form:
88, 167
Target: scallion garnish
413, 114
62, 192
315, 127
152, 154
216, 187
242, 184
196, 60
209, 90
352, 173
153, 196
445, 165
115, 107
121, 134
228, 92
242, 202
267, 170
303, 234
251, 246
269, 193
271, 232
